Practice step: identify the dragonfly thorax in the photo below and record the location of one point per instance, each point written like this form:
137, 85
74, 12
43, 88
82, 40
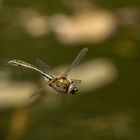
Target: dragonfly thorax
60, 84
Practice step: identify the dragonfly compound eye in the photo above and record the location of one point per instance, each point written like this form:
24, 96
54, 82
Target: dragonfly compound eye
72, 89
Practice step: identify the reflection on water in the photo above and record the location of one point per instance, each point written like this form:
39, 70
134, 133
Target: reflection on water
18, 123
86, 26
15, 94
33, 22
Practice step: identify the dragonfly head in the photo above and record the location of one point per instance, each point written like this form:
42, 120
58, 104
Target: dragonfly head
72, 89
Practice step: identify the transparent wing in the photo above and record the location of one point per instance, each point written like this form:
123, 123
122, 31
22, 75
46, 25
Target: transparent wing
38, 91
37, 96
78, 58
17, 62
45, 67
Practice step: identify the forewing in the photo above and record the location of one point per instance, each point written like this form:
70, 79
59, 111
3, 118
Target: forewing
43, 65
78, 58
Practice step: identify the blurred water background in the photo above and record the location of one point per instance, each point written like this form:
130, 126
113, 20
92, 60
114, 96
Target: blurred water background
107, 105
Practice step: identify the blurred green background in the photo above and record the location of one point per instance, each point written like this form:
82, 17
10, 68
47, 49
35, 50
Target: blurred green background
56, 31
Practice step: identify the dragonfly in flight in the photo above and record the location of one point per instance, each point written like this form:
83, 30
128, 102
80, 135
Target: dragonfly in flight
60, 83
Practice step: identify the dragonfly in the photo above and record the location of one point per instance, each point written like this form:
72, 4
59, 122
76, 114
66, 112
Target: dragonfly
60, 83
